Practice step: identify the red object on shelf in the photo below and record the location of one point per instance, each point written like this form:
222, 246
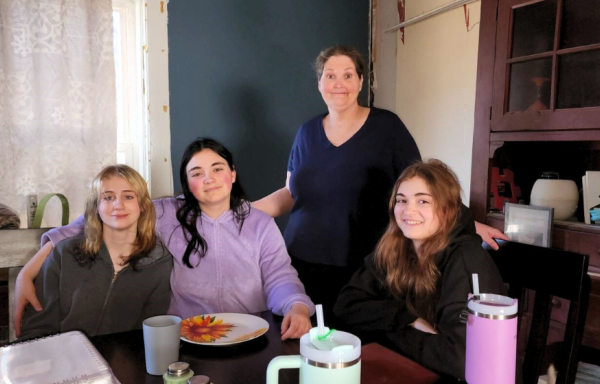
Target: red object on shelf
503, 189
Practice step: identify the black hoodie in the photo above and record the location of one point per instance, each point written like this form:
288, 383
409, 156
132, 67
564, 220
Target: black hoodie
366, 305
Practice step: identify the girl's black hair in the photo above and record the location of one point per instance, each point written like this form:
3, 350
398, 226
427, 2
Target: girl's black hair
189, 212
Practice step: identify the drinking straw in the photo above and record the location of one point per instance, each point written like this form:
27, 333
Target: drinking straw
475, 284
320, 322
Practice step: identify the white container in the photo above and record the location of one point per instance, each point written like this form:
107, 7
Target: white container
562, 195
161, 342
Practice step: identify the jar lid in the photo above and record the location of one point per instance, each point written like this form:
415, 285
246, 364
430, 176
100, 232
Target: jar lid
199, 379
493, 306
178, 368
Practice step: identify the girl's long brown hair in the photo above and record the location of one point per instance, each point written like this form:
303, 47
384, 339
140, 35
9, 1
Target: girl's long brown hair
146, 236
412, 275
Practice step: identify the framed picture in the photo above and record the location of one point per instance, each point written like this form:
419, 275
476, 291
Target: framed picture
528, 224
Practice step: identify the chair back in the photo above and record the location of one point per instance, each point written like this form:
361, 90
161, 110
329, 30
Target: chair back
550, 273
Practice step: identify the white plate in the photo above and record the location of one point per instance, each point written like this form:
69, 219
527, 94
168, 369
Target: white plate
222, 328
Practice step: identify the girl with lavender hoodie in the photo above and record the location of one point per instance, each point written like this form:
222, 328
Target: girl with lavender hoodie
227, 256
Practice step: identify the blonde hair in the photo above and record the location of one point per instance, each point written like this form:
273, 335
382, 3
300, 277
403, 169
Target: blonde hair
410, 275
146, 236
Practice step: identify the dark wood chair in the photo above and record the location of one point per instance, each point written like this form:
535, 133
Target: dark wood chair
550, 273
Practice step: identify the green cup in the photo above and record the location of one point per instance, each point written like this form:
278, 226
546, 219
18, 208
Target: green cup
321, 367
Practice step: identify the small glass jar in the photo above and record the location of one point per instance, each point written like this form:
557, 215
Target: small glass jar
200, 379
178, 373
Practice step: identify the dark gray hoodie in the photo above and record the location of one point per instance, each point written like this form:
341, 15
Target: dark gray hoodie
91, 298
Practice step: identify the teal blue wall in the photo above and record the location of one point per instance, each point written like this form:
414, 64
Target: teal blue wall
240, 72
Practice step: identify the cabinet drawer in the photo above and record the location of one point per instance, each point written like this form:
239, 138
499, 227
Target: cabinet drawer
588, 244
579, 242
560, 307
591, 335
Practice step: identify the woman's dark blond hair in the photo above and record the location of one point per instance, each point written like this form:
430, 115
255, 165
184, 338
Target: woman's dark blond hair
412, 275
146, 236
340, 50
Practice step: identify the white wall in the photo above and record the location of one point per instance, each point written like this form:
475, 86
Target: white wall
385, 15
436, 69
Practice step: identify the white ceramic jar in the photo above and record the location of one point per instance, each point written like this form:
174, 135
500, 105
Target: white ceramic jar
562, 195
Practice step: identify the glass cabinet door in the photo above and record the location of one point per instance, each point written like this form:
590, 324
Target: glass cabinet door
547, 66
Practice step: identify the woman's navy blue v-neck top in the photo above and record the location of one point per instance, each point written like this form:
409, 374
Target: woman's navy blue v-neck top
341, 194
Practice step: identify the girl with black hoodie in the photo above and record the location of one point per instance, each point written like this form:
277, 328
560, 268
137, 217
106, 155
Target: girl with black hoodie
414, 287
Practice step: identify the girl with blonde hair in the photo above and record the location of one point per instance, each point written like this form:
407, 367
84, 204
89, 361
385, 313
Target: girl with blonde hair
115, 275
413, 288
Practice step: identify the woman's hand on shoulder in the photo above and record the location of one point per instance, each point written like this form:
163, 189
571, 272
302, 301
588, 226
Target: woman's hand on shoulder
488, 234
423, 326
277, 203
296, 322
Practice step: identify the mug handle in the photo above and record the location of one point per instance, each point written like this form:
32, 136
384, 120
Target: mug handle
281, 362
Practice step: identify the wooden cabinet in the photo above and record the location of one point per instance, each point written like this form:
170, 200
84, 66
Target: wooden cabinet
537, 109
547, 65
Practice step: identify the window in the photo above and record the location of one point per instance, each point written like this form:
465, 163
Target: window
142, 82
130, 77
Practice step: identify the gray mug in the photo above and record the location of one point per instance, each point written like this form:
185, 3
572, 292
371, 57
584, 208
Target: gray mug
161, 342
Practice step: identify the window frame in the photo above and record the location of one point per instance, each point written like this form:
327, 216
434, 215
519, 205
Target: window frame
145, 139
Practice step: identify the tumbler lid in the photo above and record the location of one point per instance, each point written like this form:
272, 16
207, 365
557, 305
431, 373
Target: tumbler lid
349, 353
493, 306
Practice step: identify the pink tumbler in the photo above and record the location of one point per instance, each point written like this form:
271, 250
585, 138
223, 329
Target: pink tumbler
491, 339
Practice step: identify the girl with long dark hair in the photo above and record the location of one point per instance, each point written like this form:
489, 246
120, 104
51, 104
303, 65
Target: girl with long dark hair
227, 256
413, 288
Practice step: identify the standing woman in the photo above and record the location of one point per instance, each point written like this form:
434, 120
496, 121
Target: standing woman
341, 170
415, 285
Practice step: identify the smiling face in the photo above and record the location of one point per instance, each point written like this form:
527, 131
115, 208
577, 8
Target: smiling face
210, 180
118, 205
340, 84
415, 211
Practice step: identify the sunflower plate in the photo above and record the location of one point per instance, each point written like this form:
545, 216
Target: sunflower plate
222, 328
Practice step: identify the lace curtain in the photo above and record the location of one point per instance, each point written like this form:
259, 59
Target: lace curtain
57, 101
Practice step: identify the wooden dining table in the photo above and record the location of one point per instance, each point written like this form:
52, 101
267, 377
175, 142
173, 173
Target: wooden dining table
247, 362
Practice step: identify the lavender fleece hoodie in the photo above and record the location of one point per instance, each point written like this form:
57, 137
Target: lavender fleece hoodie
241, 272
